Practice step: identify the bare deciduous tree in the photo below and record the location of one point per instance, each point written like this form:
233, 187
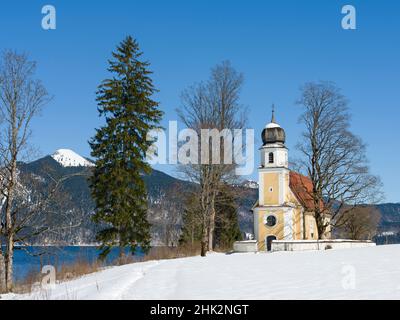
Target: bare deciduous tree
21, 98
333, 157
358, 223
212, 105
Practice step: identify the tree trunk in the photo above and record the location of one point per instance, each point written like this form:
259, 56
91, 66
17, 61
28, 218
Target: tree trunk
9, 222
192, 235
204, 201
204, 242
211, 230
2, 274
121, 252
9, 262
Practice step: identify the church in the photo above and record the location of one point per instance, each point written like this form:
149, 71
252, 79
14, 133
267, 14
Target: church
284, 209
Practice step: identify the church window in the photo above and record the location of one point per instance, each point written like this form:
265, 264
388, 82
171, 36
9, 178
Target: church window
271, 157
271, 221
312, 229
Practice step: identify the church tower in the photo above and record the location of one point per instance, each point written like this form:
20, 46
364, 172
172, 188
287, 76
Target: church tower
277, 214
274, 165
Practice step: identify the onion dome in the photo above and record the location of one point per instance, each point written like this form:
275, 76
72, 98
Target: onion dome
273, 133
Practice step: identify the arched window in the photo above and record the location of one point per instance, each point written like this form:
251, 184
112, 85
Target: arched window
271, 157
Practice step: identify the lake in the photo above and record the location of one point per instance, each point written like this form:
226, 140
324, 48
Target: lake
26, 260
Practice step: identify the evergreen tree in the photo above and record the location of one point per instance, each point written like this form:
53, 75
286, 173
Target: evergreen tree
191, 222
227, 229
120, 147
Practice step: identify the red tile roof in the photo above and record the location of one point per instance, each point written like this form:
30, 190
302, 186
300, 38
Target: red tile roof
302, 188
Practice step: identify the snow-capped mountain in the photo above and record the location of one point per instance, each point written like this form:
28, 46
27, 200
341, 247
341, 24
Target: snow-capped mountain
69, 158
250, 184
77, 200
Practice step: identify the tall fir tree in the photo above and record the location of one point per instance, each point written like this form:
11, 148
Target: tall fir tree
119, 147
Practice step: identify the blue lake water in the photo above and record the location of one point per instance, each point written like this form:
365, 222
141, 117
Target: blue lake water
32, 259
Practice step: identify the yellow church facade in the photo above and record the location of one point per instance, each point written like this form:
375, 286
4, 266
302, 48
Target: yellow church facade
283, 210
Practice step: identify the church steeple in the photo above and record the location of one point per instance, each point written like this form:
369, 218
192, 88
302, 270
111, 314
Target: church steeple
273, 114
273, 133
278, 214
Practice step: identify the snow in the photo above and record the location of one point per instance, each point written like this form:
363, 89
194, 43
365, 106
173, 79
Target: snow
68, 158
387, 233
362, 273
272, 125
251, 184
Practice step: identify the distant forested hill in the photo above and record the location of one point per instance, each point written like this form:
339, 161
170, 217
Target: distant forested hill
161, 188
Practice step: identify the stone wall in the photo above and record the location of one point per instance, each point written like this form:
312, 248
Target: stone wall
245, 246
303, 245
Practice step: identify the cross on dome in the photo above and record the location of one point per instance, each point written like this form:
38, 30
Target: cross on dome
273, 114
273, 123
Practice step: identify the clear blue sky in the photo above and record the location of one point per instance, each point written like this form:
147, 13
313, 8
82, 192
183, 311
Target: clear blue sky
278, 45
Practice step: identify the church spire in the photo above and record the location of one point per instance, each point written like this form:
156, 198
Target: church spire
273, 114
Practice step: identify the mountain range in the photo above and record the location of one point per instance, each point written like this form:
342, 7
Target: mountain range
162, 202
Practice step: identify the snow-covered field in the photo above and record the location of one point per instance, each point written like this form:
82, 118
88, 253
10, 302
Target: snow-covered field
364, 273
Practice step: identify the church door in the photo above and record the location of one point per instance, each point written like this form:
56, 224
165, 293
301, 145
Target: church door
269, 242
